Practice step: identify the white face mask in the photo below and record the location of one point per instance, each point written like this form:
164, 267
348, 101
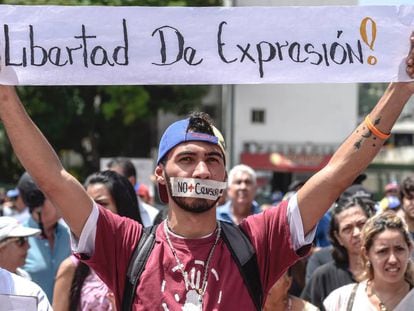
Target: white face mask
197, 188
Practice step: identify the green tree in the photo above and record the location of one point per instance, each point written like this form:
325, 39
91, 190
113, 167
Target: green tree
100, 121
369, 94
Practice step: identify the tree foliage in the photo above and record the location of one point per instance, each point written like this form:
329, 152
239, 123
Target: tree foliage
369, 94
98, 121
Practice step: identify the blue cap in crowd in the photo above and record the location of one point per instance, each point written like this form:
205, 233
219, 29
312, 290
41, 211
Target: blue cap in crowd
12, 193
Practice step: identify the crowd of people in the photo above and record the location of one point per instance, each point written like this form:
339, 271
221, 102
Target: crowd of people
367, 263
35, 244
333, 271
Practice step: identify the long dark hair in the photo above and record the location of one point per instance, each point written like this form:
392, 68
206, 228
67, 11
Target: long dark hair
127, 205
339, 253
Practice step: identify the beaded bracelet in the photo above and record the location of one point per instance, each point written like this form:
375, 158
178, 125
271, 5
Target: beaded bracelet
374, 130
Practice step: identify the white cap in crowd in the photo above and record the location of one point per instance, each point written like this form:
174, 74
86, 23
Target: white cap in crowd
11, 228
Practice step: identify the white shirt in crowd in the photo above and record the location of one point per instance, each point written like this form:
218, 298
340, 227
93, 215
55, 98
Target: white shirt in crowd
12, 284
148, 213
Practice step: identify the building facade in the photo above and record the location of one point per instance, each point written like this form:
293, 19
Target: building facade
288, 131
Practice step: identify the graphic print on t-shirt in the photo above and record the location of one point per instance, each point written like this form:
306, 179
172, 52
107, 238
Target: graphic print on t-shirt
193, 280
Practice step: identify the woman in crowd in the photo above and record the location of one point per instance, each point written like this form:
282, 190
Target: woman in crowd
387, 278
279, 298
348, 218
87, 291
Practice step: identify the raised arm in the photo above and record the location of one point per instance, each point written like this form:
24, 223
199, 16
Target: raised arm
355, 154
40, 160
63, 283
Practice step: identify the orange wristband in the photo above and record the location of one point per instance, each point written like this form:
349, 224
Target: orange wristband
374, 130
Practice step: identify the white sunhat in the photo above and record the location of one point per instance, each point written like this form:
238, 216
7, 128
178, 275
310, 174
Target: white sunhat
11, 228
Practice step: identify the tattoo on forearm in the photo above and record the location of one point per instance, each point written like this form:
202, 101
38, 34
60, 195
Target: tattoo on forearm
366, 134
358, 144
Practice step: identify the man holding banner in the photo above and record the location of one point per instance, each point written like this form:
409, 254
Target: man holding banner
191, 267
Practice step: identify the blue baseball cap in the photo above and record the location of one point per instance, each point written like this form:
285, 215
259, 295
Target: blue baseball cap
177, 133
12, 193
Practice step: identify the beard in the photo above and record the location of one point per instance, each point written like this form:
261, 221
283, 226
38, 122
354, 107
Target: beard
192, 205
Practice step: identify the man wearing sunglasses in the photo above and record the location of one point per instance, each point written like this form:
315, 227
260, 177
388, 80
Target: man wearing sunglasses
13, 252
14, 245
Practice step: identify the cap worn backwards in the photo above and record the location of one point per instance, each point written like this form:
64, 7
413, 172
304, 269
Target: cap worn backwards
177, 133
32, 196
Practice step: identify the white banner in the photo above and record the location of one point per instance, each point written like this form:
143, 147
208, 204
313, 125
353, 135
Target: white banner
18, 303
58, 45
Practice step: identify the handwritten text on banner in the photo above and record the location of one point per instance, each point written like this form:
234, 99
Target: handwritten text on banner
58, 45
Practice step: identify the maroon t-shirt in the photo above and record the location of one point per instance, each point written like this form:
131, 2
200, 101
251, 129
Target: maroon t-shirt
162, 286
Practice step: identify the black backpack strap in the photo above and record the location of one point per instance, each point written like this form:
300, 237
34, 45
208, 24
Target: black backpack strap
137, 264
244, 255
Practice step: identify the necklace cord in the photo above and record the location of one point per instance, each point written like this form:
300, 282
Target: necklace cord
201, 291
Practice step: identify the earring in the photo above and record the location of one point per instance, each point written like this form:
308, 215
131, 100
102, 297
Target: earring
368, 264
